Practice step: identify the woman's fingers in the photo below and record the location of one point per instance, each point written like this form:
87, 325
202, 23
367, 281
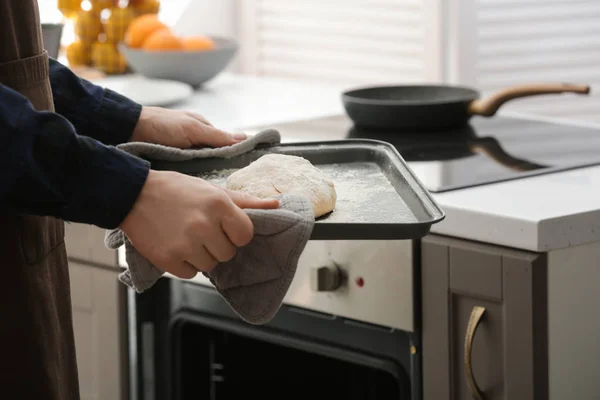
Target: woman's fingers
243, 200
237, 226
220, 247
206, 135
201, 259
198, 117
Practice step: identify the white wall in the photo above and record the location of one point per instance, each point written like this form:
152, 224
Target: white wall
204, 17
208, 17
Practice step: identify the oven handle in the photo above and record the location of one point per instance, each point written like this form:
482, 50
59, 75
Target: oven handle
474, 320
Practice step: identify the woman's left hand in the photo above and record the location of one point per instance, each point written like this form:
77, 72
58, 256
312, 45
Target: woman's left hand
182, 129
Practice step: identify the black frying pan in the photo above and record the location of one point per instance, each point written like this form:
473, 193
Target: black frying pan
434, 107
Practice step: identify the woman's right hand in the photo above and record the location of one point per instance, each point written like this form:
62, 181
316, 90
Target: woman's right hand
184, 225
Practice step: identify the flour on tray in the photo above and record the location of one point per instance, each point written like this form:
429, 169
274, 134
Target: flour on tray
218, 176
364, 194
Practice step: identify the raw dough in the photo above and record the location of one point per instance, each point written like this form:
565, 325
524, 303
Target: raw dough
276, 174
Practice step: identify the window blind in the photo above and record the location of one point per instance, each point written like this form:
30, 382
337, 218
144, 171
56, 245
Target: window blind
523, 41
352, 41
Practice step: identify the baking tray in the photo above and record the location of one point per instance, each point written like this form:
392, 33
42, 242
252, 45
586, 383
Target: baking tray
378, 195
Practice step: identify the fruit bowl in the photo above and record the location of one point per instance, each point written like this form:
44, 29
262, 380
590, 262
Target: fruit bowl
193, 67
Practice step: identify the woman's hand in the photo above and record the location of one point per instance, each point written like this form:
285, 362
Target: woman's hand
184, 225
181, 129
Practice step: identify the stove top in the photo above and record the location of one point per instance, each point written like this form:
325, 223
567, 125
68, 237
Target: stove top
488, 150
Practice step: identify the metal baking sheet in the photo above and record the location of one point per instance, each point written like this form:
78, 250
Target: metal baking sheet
378, 195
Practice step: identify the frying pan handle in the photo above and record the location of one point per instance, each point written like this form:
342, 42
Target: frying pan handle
488, 107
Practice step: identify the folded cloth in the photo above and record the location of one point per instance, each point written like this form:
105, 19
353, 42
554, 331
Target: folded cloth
257, 279
166, 153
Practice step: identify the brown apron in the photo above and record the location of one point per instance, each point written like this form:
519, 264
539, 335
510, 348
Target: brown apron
37, 352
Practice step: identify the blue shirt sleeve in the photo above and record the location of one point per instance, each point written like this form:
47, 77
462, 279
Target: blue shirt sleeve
96, 112
47, 169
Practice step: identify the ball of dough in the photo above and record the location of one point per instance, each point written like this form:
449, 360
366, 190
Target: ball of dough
275, 174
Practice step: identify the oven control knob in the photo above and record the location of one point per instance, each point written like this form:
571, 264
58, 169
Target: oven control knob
325, 279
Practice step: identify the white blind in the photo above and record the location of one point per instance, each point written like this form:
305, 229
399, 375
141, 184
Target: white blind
351, 41
523, 41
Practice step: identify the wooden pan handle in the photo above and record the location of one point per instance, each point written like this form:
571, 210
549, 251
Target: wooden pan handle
488, 107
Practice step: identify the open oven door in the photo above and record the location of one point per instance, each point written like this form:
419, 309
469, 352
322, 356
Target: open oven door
192, 346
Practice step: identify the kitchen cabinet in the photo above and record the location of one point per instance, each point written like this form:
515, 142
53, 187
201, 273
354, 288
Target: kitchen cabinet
484, 321
99, 314
85, 243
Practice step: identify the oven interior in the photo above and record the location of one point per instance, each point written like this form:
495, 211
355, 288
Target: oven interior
214, 364
208, 353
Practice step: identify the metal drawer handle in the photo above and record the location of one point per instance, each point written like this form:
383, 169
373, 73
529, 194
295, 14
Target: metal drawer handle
474, 320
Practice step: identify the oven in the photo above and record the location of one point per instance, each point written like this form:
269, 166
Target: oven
349, 326
347, 329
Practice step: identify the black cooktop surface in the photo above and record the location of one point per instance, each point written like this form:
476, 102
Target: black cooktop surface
487, 150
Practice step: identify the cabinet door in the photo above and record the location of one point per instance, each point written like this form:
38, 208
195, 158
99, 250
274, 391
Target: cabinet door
85, 243
100, 331
483, 321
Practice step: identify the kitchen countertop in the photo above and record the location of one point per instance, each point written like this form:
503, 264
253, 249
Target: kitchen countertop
540, 213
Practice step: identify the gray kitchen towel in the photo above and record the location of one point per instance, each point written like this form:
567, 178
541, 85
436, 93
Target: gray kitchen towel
165, 153
256, 280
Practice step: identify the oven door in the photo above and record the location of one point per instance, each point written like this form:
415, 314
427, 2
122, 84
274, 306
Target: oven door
190, 345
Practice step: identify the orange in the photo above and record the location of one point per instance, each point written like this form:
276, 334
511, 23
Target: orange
117, 24
107, 58
69, 8
145, 6
162, 40
141, 28
194, 43
87, 26
78, 53
99, 5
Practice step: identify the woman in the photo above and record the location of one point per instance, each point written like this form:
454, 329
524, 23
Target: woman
57, 163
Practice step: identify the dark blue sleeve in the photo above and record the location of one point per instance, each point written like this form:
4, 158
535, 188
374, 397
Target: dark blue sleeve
96, 112
47, 169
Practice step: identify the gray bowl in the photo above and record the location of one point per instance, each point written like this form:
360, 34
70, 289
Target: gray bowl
191, 67
51, 35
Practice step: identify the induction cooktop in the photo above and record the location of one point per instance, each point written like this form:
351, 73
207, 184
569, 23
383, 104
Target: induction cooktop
487, 150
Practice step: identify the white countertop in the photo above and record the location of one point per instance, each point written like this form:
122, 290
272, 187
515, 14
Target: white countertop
537, 213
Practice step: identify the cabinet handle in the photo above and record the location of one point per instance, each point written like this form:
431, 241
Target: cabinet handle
474, 320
